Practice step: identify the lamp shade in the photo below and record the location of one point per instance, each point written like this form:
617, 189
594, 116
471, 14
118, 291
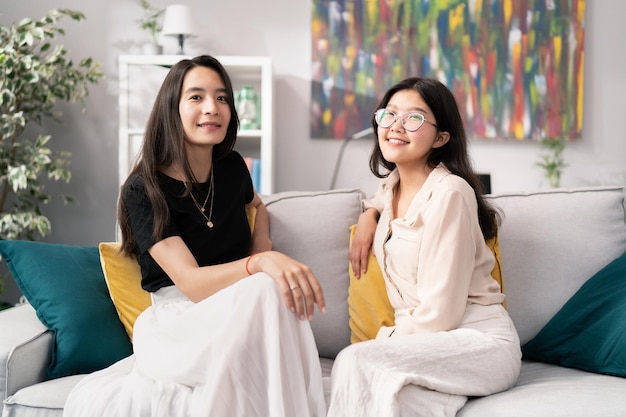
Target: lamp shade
178, 21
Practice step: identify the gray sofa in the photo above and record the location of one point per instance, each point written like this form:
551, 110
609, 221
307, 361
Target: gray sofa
551, 242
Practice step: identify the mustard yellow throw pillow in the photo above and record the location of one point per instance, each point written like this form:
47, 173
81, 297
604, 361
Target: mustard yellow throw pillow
123, 277
496, 272
368, 305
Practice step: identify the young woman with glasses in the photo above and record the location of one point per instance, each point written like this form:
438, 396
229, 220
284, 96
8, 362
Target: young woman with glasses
427, 225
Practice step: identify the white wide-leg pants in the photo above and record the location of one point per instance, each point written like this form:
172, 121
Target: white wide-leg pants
239, 353
427, 375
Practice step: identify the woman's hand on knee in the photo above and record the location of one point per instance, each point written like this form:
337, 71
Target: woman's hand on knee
300, 287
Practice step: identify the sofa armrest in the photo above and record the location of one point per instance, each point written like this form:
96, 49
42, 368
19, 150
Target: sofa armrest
25, 349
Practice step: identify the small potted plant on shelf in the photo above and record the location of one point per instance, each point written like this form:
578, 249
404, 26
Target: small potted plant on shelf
151, 22
551, 160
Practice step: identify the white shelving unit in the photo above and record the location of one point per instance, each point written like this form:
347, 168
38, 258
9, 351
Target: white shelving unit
140, 77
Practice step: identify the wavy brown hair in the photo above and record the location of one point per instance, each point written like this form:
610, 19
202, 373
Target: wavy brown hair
164, 145
453, 154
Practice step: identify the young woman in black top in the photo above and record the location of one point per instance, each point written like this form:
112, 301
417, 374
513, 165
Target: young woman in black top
221, 337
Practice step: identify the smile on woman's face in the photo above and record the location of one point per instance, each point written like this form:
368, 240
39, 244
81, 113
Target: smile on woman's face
203, 107
401, 146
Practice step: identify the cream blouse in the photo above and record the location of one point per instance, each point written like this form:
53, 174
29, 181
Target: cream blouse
434, 260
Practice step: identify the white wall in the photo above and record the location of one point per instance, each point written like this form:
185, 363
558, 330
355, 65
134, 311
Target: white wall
252, 27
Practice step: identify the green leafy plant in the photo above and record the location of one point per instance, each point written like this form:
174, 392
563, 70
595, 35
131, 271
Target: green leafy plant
34, 75
151, 20
551, 160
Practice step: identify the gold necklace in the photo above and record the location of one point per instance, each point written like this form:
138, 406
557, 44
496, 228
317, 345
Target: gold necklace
200, 208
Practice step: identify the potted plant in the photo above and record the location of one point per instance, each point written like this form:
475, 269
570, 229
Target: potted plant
35, 73
151, 22
552, 160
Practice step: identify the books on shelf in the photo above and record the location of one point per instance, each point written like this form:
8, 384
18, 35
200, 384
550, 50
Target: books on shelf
254, 166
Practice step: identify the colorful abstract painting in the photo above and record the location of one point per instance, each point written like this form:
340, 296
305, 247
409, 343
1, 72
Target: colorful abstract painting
515, 66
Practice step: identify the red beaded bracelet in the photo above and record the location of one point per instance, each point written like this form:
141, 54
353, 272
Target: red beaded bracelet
248, 261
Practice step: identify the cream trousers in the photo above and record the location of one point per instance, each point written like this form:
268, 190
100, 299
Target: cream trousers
427, 375
238, 353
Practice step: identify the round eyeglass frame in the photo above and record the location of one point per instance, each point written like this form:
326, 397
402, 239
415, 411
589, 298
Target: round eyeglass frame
380, 112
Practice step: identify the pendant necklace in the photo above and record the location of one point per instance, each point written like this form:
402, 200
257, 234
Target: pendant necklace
201, 208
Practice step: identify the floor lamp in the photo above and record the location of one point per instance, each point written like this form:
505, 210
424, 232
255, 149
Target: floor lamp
358, 135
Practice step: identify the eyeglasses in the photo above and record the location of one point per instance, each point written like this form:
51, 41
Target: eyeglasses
410, 121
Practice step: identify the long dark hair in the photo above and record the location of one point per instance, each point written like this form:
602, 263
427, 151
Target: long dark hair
453, 154
164, 144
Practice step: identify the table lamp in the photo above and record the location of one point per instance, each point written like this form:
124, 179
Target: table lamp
178, 22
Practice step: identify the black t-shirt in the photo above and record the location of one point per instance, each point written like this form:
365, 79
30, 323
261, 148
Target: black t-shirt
228, 240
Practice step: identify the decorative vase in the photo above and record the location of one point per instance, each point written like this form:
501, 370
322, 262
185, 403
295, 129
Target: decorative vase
247, 104
554, 179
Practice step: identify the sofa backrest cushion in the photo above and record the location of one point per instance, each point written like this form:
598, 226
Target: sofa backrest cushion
314, 228
551, 242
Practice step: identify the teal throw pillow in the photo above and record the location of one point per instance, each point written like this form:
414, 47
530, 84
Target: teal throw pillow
589, 332
65, 284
